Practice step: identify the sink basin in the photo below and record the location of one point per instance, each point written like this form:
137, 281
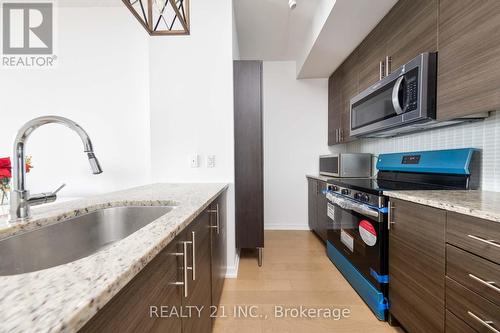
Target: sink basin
74, 238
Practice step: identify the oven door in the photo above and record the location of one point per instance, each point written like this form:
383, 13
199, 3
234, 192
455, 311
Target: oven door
329, 165
359, 232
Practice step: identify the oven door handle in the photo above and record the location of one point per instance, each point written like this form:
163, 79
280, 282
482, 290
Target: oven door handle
352, 205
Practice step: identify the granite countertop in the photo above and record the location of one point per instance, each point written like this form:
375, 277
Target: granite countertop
319, 177
481, 204
64, 298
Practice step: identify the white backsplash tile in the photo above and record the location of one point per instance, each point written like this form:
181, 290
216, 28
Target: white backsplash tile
483, 134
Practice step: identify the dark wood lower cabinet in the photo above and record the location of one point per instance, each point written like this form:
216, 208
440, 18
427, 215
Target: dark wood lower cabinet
321, 206
130, 310
317, 205
138, 306
199, 295
218, 239
417, 266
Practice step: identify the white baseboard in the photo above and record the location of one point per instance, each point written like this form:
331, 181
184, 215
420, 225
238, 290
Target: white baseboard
280, 226
232, 271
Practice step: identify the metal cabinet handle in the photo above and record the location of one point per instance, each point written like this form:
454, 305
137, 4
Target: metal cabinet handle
490, 284
217, 218
185, 268
489, 242
337, 137
485, 323
388, 65
185, 244
341, 135
389, 215
193, 243
381, 70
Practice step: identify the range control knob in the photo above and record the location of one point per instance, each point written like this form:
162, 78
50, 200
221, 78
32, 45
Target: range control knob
365, 198
333, 188
345, 191
358, 195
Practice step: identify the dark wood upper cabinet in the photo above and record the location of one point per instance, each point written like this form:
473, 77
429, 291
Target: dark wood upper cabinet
249, 170
469, 57
411, 28
350, 89
334, 107
370, 53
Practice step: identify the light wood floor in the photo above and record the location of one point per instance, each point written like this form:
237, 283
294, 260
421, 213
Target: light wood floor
296, 271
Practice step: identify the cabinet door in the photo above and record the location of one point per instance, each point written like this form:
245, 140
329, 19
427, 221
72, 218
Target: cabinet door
349, 90
199, 291
370, 53
321, 206
136, 308
469, 57
218, 242
334, 107
248, 147
417, 245
414, 30
312, 186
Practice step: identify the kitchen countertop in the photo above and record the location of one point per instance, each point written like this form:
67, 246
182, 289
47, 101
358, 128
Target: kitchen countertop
319, 177
481, 204
64, 298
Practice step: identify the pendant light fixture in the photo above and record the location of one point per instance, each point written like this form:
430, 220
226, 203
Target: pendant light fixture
161, 17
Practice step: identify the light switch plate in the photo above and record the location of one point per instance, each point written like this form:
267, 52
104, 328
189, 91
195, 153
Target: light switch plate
211, 161
194, 161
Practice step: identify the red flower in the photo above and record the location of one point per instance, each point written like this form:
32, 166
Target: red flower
5, 168
5, 163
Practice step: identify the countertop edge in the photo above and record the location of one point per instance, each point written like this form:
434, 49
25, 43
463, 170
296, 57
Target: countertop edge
446, 205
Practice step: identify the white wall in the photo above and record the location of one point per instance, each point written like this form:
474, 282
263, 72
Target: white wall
191, 81
295, 123
101, 82
484, 135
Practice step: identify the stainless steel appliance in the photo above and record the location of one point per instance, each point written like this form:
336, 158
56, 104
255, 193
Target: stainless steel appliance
359, 231
402, 102
346, 165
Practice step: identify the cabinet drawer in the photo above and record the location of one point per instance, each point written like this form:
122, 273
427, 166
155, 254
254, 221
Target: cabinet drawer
475, 235
454, 324
473, 309
474, 272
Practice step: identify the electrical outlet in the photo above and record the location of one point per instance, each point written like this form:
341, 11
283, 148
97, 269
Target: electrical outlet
194, 161
211, 161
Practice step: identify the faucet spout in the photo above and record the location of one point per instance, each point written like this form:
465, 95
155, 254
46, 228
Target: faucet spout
20, 203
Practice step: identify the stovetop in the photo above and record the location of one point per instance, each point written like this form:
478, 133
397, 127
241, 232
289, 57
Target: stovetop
377, 186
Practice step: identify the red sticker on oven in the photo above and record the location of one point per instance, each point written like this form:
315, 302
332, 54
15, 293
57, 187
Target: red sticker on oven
368, 233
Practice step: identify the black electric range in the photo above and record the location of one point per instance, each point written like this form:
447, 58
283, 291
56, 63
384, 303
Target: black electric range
358, 235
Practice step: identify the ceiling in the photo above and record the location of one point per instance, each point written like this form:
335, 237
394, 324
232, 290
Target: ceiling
317, 34
269, 30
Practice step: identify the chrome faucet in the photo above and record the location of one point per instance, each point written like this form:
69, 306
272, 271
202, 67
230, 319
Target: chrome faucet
20, 199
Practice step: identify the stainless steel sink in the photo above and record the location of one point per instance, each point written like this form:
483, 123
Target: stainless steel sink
74, 238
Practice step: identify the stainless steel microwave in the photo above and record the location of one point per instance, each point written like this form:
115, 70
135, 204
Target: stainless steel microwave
405, 97
356, 165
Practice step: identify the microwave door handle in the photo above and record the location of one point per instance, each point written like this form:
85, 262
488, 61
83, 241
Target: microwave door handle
395, 95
